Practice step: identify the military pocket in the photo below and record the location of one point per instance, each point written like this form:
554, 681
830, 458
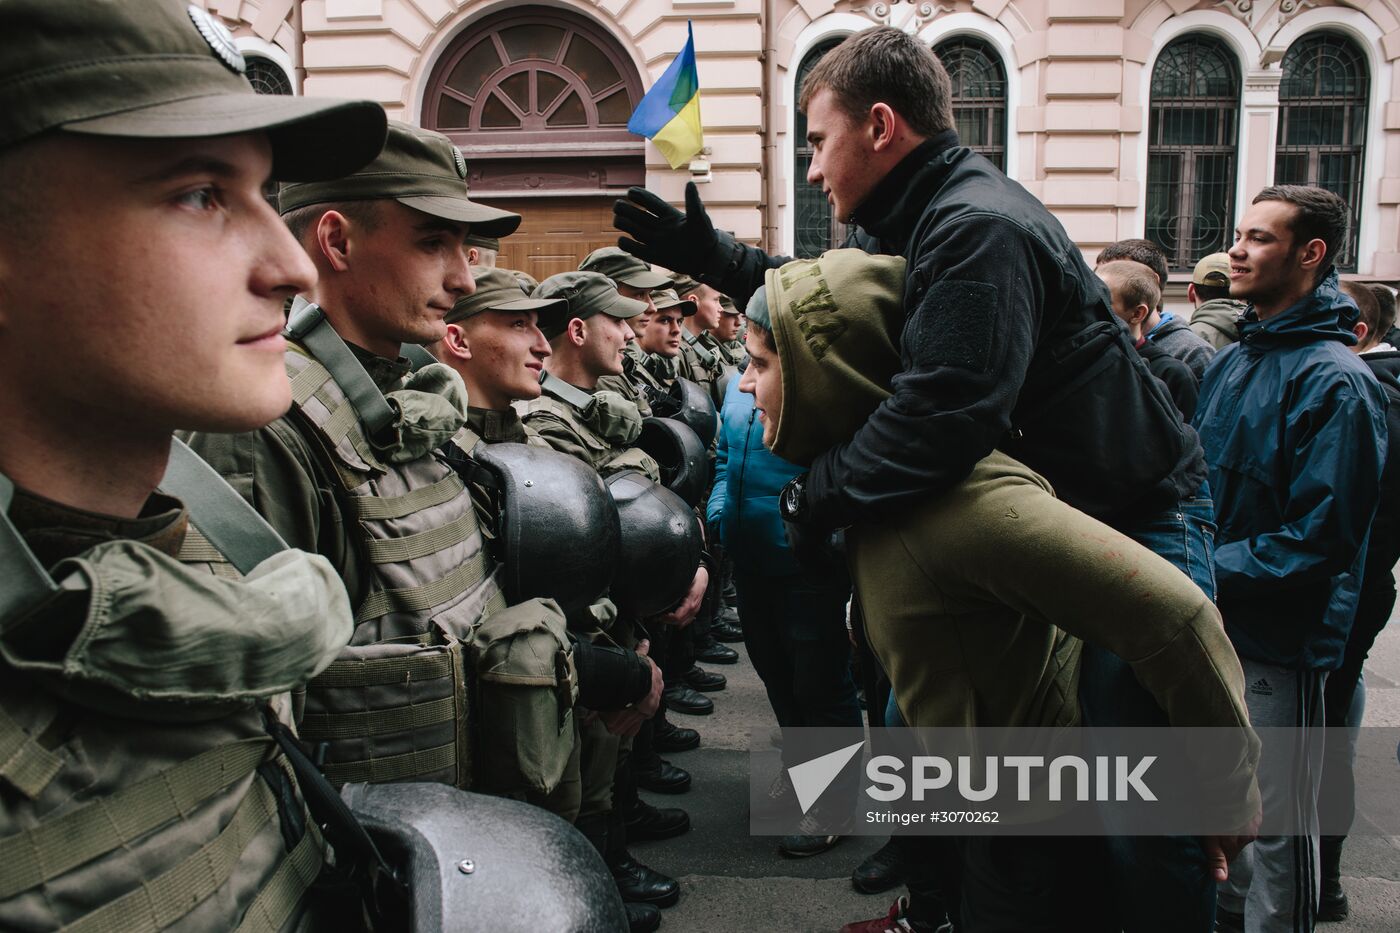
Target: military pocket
526, 688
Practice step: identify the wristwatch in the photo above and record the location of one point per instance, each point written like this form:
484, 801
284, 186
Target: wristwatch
792, 501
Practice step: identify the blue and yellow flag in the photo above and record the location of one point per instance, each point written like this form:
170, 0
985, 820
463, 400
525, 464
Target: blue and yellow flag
669, 114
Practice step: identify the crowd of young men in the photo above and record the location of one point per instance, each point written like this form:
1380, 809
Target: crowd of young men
360, 573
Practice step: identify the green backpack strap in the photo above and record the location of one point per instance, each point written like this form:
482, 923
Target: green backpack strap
223, 516
416, 356
704, 355
564, 391
308, 326
220, 514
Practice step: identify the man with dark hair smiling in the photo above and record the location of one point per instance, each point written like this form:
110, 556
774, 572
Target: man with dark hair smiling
1294, 430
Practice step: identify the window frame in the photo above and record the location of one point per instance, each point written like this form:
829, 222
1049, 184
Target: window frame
1186, 247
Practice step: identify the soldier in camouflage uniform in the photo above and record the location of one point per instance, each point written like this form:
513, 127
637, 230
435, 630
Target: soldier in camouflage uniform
700, 360
494, 342
636, 280
142, 696
599, 427
353, 472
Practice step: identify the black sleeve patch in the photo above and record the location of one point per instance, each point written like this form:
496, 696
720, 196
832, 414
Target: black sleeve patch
953, 326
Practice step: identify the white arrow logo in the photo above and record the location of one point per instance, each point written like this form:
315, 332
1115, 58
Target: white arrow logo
811, 778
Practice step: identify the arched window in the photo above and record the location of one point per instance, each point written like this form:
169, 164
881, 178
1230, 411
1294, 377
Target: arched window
1192, 132
979, 95
816, 229
266, 76
534, 76
1322, 122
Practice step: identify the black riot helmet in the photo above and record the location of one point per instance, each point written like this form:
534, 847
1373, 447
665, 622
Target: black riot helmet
475, 862
677, 449
557, 534
693, 408
661, 544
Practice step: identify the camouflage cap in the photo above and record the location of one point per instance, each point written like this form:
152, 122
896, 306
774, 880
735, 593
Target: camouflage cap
497, 290
1212, 270
419, 169
160, 69
588, 293
683, 284
665, 298
623, 268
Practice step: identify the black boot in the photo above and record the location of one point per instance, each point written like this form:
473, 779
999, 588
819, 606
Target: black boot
682, 698
668, 737
704, 681
641, 918
636, 882
1333, 906
646, 823
882, 871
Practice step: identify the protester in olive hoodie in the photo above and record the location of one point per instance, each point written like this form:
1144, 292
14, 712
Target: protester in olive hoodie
975, 599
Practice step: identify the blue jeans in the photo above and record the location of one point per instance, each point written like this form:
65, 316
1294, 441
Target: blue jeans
1158, 882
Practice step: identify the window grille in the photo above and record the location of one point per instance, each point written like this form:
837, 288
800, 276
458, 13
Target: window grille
266, 76
1193, 127
1322, 123
979, 95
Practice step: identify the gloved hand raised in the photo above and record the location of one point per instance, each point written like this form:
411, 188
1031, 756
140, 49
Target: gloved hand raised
657, 232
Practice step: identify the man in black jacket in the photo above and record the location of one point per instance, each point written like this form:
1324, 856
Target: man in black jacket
1010, 341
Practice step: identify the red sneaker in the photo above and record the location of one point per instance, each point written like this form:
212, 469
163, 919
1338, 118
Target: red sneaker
896, 921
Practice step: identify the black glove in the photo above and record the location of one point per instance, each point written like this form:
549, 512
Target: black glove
663, 235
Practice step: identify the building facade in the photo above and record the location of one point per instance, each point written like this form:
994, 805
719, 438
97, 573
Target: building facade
1156, 118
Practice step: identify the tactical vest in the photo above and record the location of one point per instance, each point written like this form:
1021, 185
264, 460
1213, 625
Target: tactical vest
604, 456
124, 815
395, 705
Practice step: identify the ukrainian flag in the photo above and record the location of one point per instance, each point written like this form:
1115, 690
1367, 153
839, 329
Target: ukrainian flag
669, 114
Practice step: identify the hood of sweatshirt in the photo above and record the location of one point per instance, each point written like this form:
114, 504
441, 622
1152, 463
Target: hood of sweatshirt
836, 322
1315, 317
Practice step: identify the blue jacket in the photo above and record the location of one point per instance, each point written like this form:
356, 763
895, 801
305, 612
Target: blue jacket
744, 501
1293, 426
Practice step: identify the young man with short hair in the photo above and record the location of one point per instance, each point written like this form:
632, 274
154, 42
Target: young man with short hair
1004, 322
483, 250
633, 279
1163, 328
1216, 318
1294, 429
700, 361
138, 653
1134, 290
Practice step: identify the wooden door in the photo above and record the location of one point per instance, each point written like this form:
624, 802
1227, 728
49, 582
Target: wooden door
555, 233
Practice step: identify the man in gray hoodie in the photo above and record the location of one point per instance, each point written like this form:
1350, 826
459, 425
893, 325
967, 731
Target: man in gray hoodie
1217, 315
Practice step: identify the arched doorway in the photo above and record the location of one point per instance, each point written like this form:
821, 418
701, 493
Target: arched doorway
538, 100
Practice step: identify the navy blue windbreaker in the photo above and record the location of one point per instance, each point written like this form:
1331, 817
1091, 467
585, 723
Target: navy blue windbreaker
1293, 426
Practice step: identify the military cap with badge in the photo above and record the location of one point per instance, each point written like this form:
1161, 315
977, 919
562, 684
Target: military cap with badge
163, 69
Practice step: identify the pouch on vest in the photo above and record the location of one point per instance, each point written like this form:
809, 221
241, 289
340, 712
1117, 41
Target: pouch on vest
613, 418
393, 711
527, 685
